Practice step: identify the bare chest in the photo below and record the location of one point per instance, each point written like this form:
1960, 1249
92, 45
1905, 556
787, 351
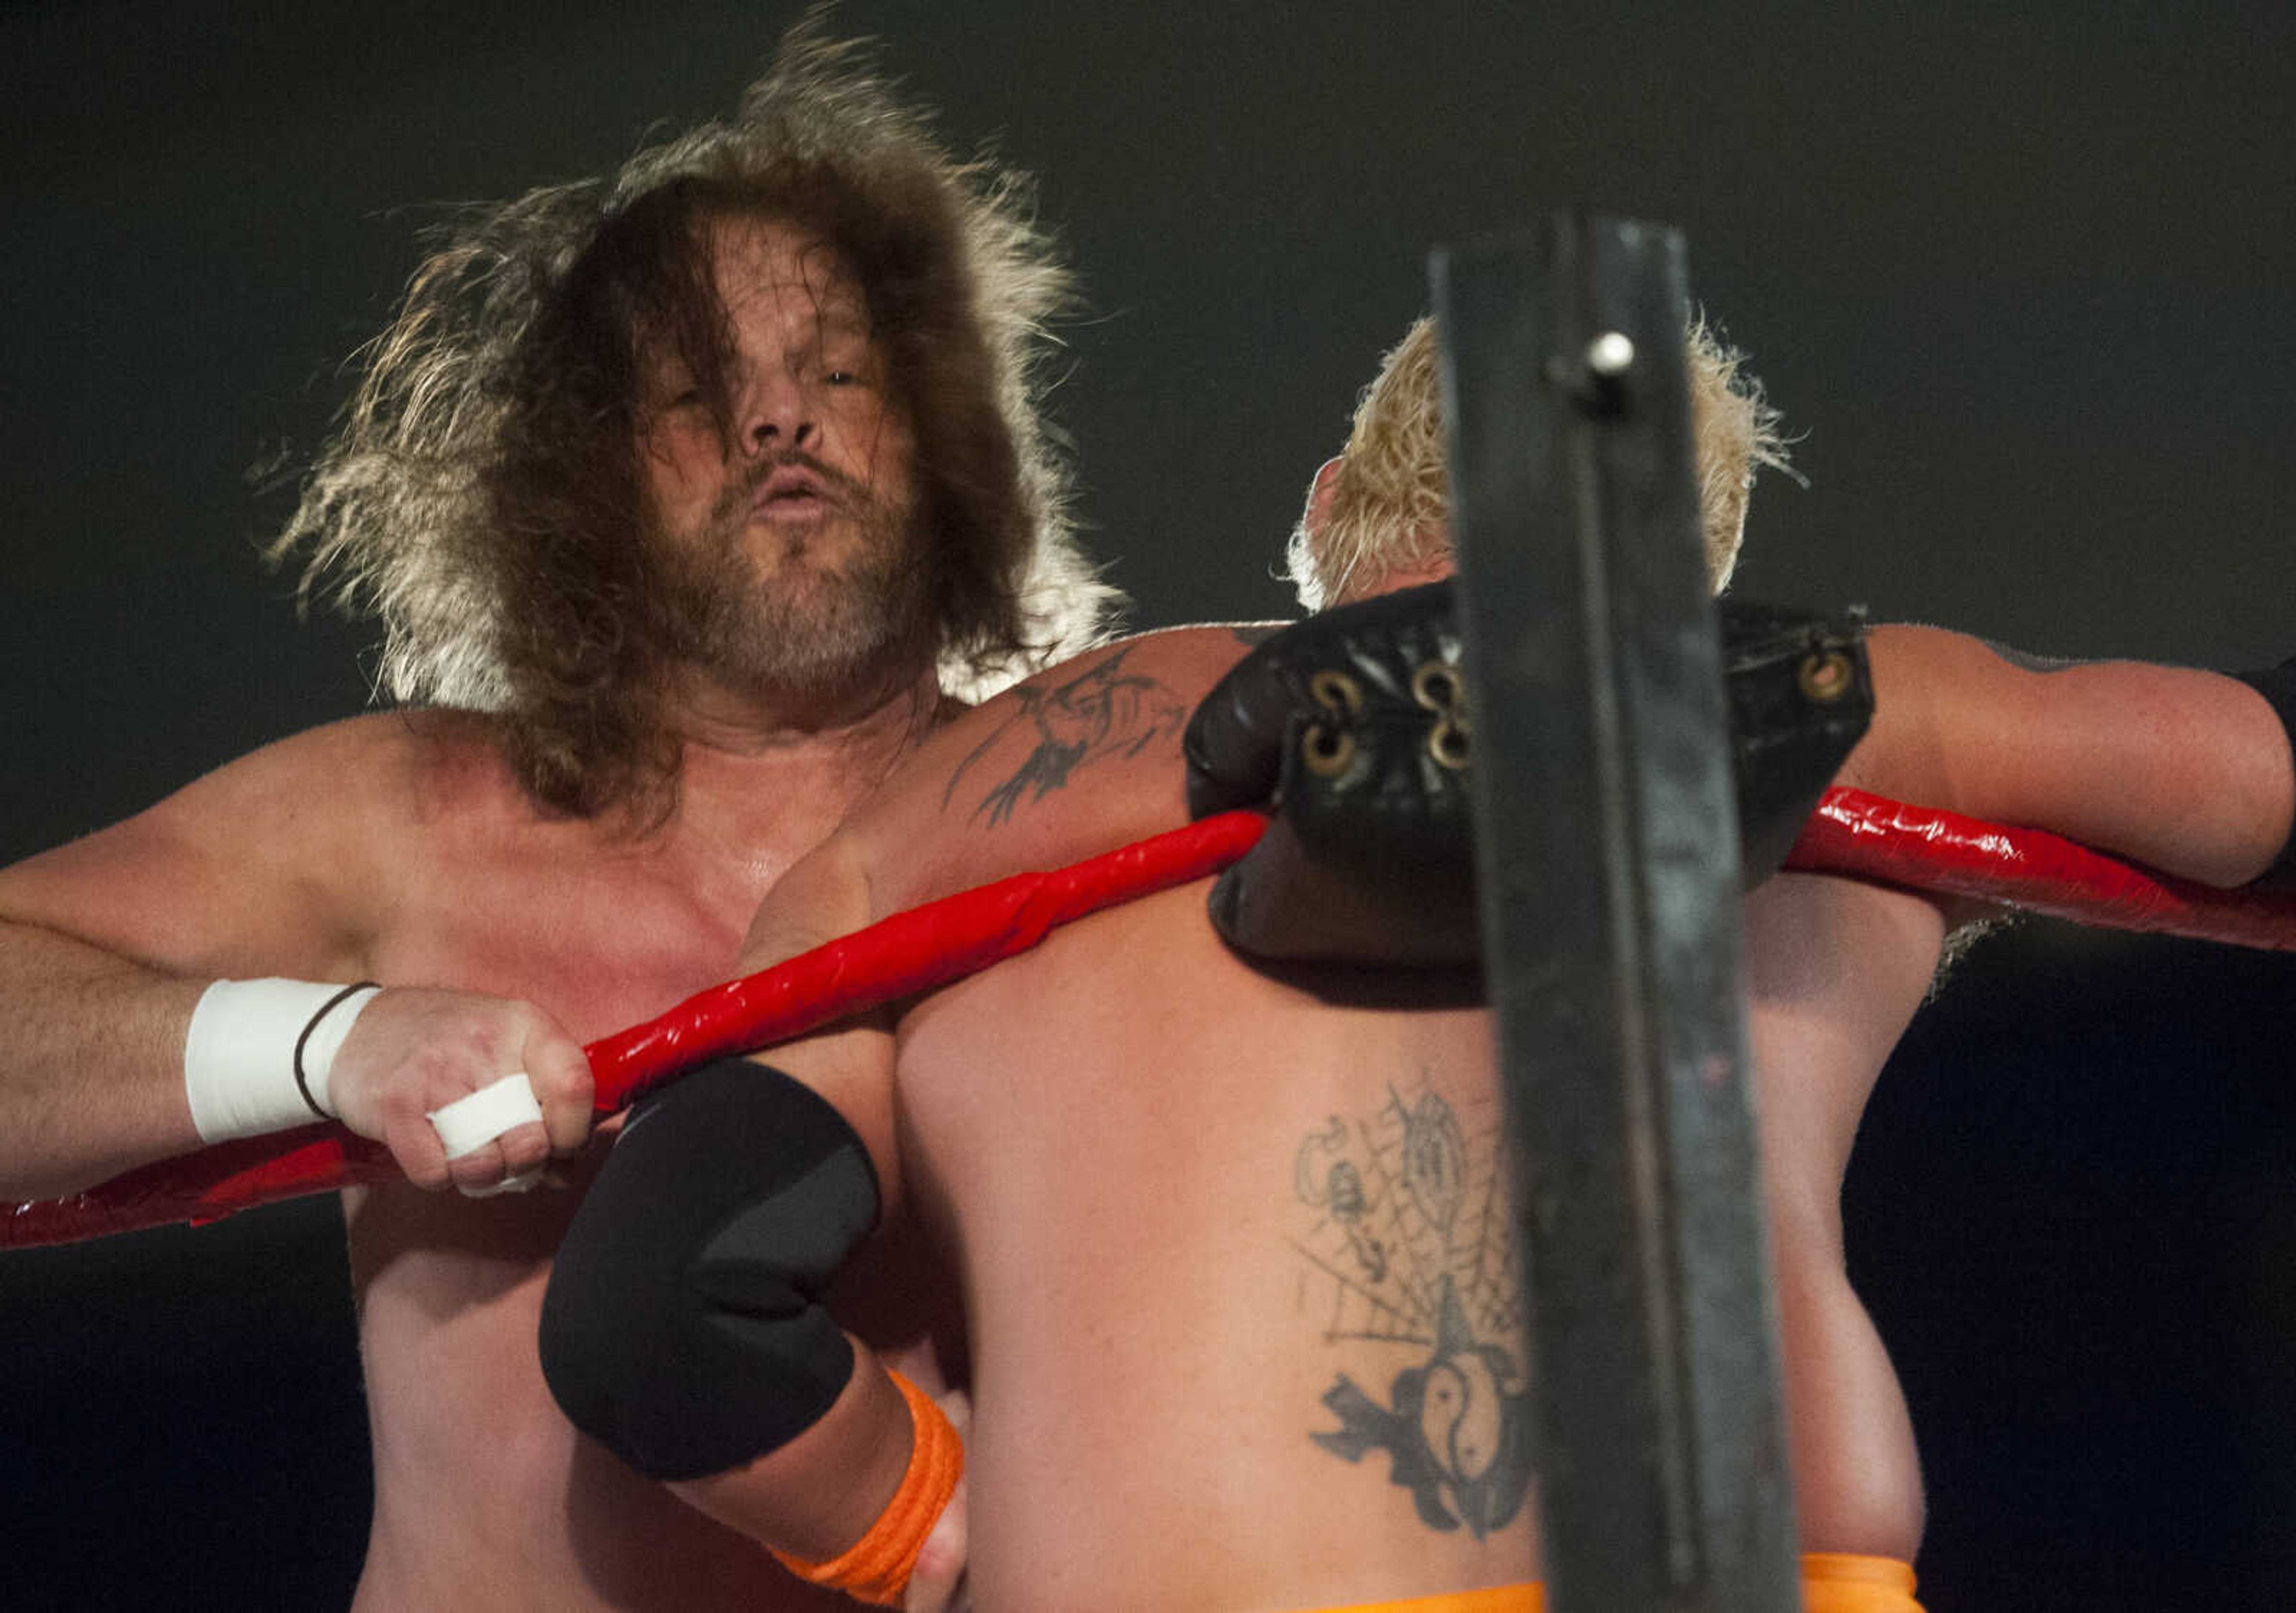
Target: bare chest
599, 937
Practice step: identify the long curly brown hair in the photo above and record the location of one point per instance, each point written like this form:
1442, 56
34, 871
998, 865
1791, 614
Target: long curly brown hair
483, 495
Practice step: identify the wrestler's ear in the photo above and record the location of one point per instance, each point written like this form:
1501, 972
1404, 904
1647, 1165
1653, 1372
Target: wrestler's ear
1318, 513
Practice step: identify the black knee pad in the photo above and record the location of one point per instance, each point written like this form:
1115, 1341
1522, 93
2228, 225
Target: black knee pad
682, 1328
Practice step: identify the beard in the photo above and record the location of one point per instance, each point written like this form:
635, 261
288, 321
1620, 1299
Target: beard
806, 627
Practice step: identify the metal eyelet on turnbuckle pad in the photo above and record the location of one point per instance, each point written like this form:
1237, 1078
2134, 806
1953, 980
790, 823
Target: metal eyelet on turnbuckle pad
1436, 685
1328, 747
1326, 751
1826, 677
1337, 693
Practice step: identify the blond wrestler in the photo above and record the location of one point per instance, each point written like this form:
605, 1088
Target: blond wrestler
1232, 1240
682, 496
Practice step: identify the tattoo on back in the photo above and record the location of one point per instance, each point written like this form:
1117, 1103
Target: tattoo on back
1412, 1248
1101, 712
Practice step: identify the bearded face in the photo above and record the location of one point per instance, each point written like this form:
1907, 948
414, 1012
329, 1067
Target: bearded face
788, 545
787, 609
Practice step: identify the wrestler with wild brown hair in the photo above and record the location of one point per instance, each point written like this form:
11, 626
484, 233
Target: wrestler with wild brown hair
688, 498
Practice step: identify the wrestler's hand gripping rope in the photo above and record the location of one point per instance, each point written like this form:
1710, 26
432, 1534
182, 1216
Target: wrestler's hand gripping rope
1851, 832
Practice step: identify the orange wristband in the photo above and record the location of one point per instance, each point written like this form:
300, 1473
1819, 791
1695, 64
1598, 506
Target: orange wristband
875, 1569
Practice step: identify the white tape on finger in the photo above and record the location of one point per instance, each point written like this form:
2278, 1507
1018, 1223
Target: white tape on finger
524, 1181
470, 1123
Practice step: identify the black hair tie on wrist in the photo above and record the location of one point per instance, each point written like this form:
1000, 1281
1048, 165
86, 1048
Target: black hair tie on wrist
302, 1080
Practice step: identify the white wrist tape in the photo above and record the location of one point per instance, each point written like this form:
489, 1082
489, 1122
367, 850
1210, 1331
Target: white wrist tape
475, 1119
259, 1053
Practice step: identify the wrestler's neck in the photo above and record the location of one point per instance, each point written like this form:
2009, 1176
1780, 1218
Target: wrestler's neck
872, 702
1393, 581
834, 748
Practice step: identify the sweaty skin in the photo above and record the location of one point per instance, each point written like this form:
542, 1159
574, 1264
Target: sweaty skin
1192, 1204
1158, 1314
456, 879
400, 848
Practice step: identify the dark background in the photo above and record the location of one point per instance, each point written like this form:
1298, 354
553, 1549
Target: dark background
2022, 283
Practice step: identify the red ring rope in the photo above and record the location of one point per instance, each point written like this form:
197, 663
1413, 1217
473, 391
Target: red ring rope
1850, 833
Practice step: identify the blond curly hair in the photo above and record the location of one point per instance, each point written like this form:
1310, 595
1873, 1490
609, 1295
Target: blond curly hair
1385, 510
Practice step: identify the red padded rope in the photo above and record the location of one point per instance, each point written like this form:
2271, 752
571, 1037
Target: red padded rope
1850, 833
907, 952
1932, 849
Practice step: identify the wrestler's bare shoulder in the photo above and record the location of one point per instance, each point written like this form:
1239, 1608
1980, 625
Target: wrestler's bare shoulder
346, 780
1075, 759
296, 853
1182, 662
279, 844
421, 769
1193, 657
437, 778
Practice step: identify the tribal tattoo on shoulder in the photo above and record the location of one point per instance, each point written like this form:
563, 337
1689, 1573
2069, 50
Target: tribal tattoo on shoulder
2026, 661
1412, 1245
1102, 712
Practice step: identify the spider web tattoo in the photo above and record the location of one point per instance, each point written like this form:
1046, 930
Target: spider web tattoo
1414, 1244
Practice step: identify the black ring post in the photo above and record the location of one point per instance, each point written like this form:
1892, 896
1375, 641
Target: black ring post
1607, 846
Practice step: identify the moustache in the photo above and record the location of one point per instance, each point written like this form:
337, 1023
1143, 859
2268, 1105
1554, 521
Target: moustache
836, 487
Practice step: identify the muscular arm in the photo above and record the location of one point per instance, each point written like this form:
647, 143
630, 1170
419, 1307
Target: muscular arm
69, 1011
105, 946
816, 1495
276, 864
2185, 771
1834, 970
687, 1325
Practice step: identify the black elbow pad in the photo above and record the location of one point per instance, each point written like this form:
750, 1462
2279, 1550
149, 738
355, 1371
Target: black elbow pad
682, 1328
